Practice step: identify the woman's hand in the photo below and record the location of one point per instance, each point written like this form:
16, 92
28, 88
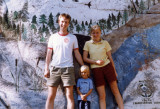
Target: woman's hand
99, 62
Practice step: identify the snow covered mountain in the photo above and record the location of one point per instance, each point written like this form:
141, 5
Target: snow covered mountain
109, 14
78, 10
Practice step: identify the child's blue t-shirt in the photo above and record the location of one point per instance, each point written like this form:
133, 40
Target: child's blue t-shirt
84, 86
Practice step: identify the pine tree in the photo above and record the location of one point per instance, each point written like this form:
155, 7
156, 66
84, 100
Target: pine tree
33, 26
15, 15
90, 22
43, 19
34, 19
109, 24
118, 18
110, 18
78, 28
14, 26
137, 3
86, 23
103, 25
51, 22
76, 22
83, 27
24, 12
82, 24
40, 31
22, 16
6, 20
142, 7
71, 27
113, 20
73, 20
125, 16
42, 39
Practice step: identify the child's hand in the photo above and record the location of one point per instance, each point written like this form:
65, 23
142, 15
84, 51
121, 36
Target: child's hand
83, 97
99, 62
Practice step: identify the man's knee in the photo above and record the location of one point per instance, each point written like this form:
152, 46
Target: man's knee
52, 93
69, 95
69, 92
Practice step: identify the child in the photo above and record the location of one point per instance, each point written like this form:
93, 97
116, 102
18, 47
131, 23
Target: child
84, 88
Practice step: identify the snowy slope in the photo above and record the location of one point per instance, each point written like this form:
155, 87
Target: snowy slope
78, 10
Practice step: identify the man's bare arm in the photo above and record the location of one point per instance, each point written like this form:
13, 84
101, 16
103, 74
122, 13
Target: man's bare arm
48, 60
78, 57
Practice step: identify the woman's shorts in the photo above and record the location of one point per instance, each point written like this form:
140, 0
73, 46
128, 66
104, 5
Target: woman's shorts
64, 75
104, 73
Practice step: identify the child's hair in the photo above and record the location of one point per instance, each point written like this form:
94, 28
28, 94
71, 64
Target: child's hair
86, 68
67, 16
94, 27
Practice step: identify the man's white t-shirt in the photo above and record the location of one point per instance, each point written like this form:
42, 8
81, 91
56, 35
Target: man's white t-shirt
63, 47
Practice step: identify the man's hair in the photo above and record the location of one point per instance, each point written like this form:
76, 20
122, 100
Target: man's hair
67, 16
85, 68
94, 27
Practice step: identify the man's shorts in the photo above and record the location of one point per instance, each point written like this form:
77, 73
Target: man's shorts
101, 74
64, 75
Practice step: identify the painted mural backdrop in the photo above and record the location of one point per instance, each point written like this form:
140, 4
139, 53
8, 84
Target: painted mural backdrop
25, 26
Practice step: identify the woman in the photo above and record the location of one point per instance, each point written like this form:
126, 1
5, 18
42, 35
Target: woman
102, 66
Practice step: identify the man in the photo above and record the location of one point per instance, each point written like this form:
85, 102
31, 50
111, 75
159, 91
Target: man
62, 44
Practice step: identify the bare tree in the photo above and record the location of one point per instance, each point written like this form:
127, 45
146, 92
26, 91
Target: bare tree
134, 7
149, 3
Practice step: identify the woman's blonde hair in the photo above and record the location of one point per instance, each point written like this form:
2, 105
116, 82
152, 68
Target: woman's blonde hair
95, 27
84, 68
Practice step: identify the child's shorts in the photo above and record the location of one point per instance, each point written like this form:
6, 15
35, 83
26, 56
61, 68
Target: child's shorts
101, 74
64, 75
83, 104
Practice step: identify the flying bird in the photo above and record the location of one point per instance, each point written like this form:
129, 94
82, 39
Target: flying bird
89, 4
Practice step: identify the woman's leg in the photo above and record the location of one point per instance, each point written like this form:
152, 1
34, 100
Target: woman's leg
116, 93
102, 96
